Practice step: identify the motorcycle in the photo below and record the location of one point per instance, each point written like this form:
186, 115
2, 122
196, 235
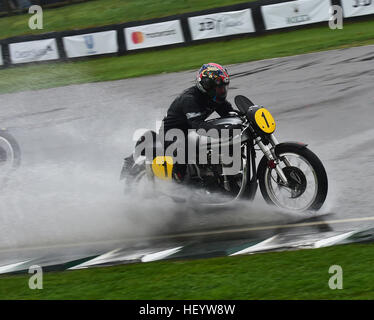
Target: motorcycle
290, 175
10, 154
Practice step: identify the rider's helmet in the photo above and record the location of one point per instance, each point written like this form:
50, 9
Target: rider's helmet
213, 79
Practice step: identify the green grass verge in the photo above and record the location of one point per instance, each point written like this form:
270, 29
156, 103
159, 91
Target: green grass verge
280, 275
103, 12
225, 52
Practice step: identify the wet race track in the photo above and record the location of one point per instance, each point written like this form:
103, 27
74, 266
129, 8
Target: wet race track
66, 203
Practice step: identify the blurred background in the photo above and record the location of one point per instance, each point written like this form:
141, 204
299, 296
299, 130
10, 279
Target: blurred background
8, 7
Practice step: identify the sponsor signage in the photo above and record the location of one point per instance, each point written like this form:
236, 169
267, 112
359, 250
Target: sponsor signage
91, 44
353, 8
30, 51
221, 24
154, 35
295, 13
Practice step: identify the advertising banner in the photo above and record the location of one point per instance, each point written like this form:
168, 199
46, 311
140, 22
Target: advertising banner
295, 13
154, 35
30, 51
221, 24
91, 44
354, 8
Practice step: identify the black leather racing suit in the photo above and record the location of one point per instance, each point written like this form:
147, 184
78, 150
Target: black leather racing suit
189, 111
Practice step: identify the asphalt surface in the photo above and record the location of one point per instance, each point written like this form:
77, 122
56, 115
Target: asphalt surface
66, 197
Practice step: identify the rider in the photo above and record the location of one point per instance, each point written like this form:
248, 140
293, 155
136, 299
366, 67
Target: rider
195, 105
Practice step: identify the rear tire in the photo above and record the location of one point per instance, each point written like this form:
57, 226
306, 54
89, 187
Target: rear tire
10, 155
314, 162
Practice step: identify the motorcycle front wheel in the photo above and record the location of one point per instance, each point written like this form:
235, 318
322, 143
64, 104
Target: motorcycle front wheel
307, 180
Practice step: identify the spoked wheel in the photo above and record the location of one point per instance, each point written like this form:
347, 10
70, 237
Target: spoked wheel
10, 154
307, 180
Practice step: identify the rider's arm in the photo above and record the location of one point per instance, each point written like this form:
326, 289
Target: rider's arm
224, 109
196, 121
195, 116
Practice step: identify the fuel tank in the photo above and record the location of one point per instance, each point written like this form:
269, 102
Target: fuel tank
227, 123
220, 123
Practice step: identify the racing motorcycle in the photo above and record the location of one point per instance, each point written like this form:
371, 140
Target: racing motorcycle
289, 174
10, 154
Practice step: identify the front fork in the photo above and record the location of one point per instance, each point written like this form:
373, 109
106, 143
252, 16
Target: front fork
270, 155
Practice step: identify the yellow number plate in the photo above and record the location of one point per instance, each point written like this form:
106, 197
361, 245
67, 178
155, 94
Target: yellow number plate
265, 120
162, 167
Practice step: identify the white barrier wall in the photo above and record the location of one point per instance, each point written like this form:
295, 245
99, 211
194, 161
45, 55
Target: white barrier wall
30, 51
295, 13
1, 57
154, 35
354, 8
275, 16
221, 24
91, 44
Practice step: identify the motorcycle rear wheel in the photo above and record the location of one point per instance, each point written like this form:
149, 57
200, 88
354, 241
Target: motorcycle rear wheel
10, 154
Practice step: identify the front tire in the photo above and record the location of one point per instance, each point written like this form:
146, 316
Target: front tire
307, 176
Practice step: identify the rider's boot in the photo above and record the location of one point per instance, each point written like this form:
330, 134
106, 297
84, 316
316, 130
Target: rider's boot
179, 172
128, 164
